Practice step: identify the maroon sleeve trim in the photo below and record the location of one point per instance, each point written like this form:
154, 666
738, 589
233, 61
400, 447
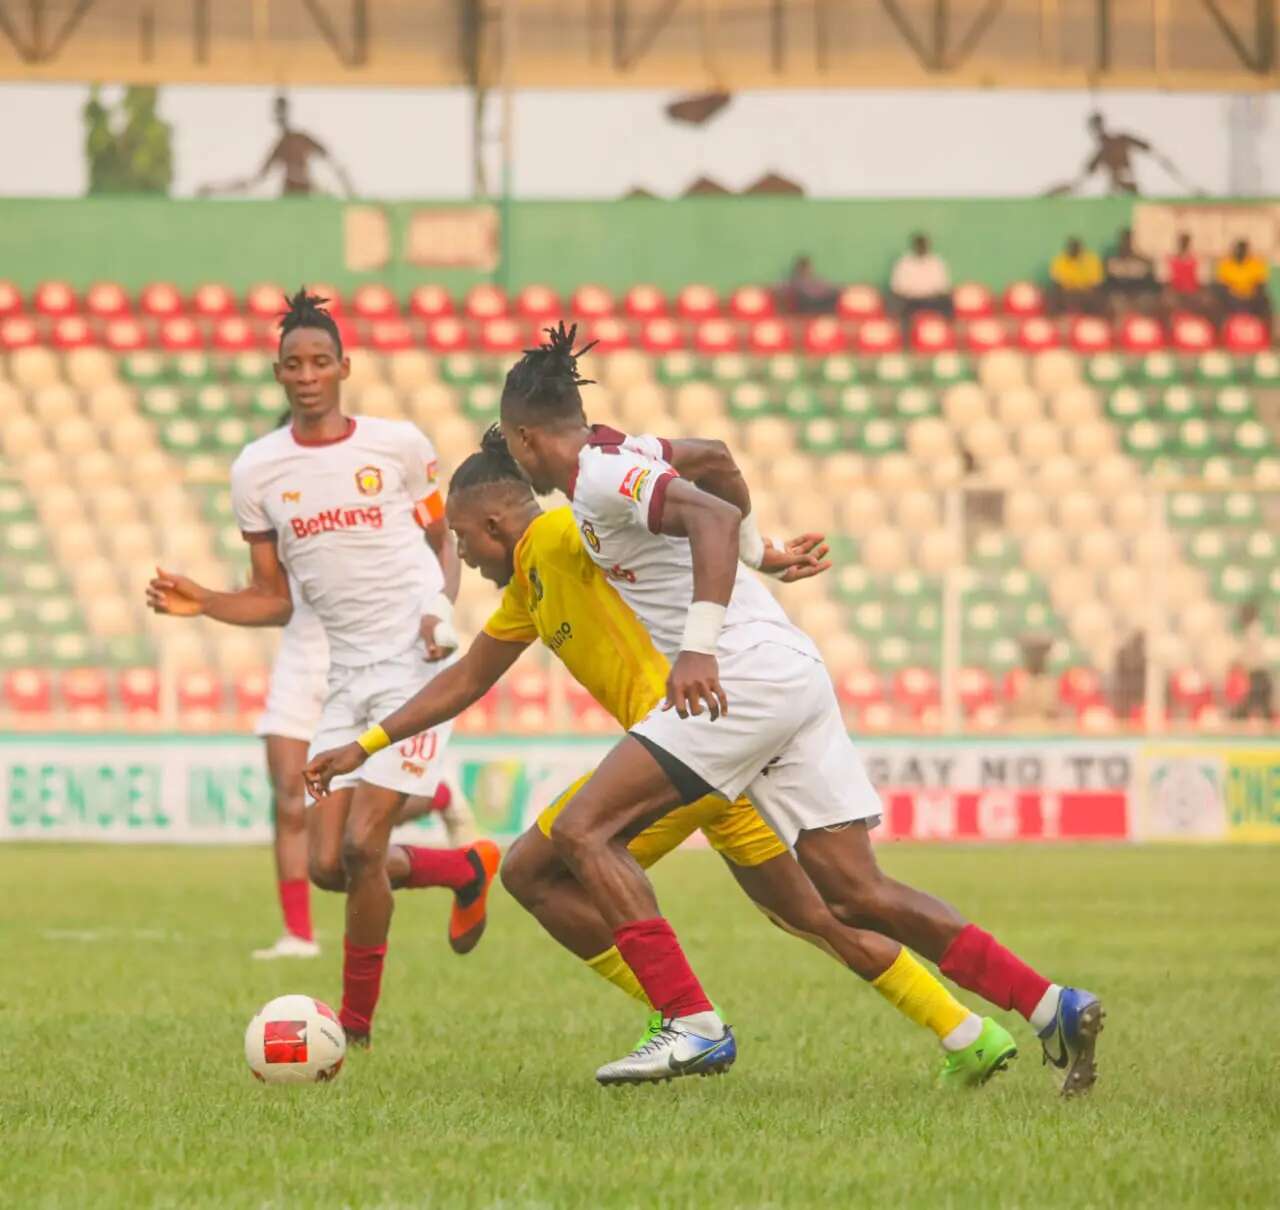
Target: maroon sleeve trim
266, 535
658, 500
666, 449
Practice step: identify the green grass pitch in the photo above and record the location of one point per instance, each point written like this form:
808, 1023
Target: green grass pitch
125, 987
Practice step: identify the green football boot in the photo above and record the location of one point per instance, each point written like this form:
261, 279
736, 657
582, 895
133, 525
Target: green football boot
987, 1054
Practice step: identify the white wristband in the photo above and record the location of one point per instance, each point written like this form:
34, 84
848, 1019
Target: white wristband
702, 627
445, 635
750, 543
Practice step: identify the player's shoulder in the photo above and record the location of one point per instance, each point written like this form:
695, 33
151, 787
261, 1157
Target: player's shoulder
553, 532
394, 436
605, 461
262, 451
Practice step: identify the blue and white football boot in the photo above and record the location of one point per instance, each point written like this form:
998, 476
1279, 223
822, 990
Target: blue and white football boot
1069, 1040
670, 1052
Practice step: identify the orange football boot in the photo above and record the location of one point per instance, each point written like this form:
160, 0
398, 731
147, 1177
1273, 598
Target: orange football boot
467, 920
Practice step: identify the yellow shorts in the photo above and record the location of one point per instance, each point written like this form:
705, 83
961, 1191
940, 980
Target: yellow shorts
734, 829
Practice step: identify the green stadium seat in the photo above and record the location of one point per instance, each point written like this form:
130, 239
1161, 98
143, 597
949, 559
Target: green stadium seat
1191, 510
40, 576
1209, 548
1127, 404
191, 369
213, 401
838, 371
18, 648
461, 369
911, 587
983, 619
1237, 584
1105, 370
802, 402
854, 583
144, 369
1179, 403
231, 434
1035, 617
855, 403
729, 369
1262, 549
128, 651
24, 540
251, 369
162, 402
1146, 440
749, 400
215, 504
893, 369
268, 402
1233, 403
182, 437
1196, 439
1159, 369
1265, 369
994, 550
11, 613
1003, 655
922, 622
879, 436
15, 504
823, 435
844, 551
1241, 509
229, 543
1215, 368
894, 653
785, 370
56, 613
869, 619
70, 649
1020, 586
480, 402
1251, 439
948, 368
914, 402
675, 369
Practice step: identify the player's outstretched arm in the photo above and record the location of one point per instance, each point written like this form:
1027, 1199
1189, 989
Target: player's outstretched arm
265, 602
441, 699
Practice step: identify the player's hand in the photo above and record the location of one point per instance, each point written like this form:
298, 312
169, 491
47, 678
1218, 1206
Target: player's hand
799, 559
439, 636
695, 679
327, 765
176, 595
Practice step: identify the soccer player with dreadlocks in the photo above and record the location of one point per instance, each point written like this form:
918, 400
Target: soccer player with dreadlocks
553, 592
339, 506
749, 708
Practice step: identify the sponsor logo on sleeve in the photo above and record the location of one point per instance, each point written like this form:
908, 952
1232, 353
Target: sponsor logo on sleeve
369, 480
633, 483
433, 470
588, 532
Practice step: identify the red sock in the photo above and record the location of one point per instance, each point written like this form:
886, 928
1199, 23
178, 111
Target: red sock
438, 867
650, 949
442, 798
979, 963
361, 984
295, 903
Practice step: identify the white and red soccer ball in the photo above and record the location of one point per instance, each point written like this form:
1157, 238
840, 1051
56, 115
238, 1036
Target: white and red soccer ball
295, 1040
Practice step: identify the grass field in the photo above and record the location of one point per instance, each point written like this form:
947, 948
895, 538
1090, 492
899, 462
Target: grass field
125, 987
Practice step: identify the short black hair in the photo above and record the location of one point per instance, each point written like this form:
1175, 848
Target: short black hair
544, 382
303, 310
490, 466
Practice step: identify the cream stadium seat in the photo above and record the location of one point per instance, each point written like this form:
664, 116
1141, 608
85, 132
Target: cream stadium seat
985, 438
110, 617
720, 430
1044, 551
96, 469
1018, 406
1091, 440
1038, 441
1198, 620
131, 436
1024, 511
917, 512
807, 510
1154, 548
896, 472
454, 438
626, 368
1130, 512
132, 543
181, 652
378, 399
884, 551
184, 545
1091, 625
1001, 369
929, 438
1054, 369
13, 402
54, 404
1071, 586
1005, 471
169, 504
431, 403
1078, 512
697, 403
938, 552
1099, 550
1125, 587
110, 403
21, 437
96, 576
769, 436
1114, 474
86, 369
792, 473
410, 369
841, 472
643, 408
34, 367
863, 512
238, 652
1057, 474
75, 435
1179, 585
366, 367
75, 543
59, 505
819, 617
842, 652
1169, 648
964, 403
1075, 405
767, 510
39, 469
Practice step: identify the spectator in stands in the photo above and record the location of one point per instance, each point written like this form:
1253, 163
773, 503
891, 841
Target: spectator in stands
1129, 679
1034, 701
1242, 283
1257, 702
1131, 279
920, 282
805, 293
1183, 279
1076, 274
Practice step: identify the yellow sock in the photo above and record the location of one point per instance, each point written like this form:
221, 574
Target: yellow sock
612, 966
918, 995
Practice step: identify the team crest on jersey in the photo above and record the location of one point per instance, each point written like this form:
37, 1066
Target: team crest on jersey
633, 483
369, 480
588, 532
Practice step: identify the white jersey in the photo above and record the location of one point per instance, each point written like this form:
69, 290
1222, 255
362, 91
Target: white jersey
303, 643
617, 499
347, 517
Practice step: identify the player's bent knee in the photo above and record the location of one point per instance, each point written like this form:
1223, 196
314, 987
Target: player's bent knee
291, 813
327, 875
359, 855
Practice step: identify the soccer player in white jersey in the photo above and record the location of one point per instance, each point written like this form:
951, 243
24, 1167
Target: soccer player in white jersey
341, 505
749, 708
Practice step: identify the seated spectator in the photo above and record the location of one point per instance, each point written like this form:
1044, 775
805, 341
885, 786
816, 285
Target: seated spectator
1131, 280
1129, 680
1183, 279
1035, 698
1076, 274
1242, 283
805, 293
920, 282
1258, 702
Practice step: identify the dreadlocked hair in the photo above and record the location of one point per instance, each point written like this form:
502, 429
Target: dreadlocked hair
303, 310
546, 379
491, 465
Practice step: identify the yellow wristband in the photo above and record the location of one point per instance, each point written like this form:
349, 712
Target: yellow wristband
374, 740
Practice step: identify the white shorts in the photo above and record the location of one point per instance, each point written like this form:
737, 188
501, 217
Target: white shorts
295, 697
358, 699
783, 743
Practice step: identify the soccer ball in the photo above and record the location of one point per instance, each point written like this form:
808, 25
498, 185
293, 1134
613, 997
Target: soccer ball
295, 1040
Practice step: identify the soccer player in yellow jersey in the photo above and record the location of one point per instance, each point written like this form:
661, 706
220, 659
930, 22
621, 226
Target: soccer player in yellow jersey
555, 594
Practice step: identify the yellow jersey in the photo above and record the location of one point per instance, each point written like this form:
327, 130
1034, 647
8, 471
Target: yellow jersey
1242, 278
1076, 272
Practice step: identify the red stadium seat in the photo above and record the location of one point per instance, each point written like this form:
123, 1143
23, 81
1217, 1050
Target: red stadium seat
234, 335
586, 714
1141, 334
85, 690
1036, 334
180, 335
266, 301
213, 300
73, 332
1089, 334
768, 336
199, 692
106, 300
984, 335
645, 302
447, 335
661, 336
825, 336
1080, 687
54, 299
591, 302
716, 336
502, 336
931, 333
430, 302
1236, 687
10, 299
985, 717
1012, 684
697, 301
751, 302
975, 688
390, 336
1246, 334
18, 332
334, 303
878, 336
374, 301
528, 699
877, 716
28, 691
1191, 333
1023, 299
915, 689
480, 717
485, 302
972, 300
539, 303
1097, 716
139, 690
860, 687
347, 331
160, 300
250, 690
609, 334
1189, 691
860, 302
125, 336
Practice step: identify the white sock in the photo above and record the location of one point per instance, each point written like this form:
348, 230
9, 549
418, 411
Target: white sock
705, 1025
1047, 1010
964, 1034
